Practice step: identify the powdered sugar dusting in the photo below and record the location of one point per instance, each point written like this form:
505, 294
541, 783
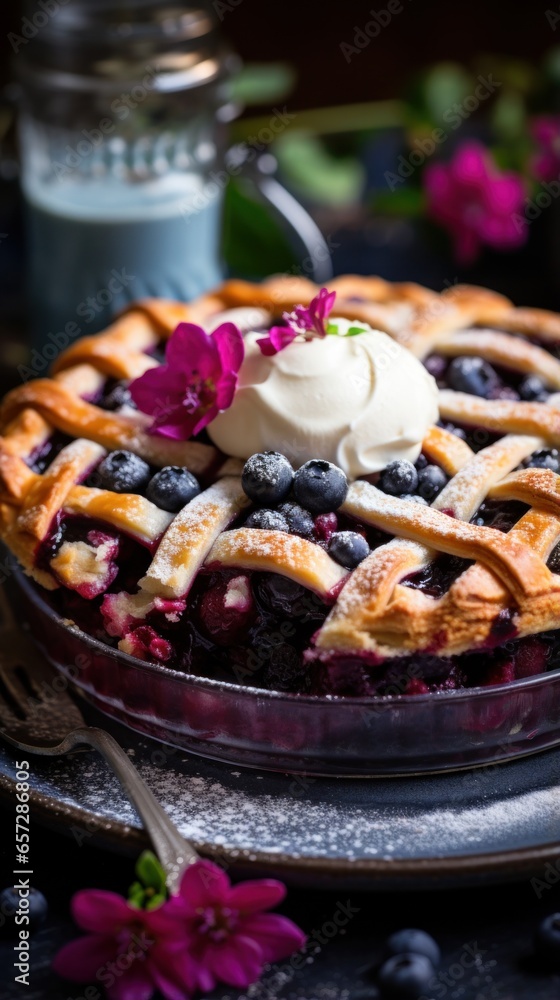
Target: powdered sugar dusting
245, 812
190, 536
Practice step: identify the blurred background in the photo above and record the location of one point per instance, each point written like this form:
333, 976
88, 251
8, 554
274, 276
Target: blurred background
418, 142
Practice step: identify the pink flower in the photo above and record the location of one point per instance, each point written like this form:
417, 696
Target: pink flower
131, 952
476, 202
198, 380
307, 322
230, 938
546, 162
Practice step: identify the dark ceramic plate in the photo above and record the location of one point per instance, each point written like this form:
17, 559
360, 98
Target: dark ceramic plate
492, 824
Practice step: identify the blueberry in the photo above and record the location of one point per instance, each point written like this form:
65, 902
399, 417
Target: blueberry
421, 462
123, 472
547, 940
431, 481
414, 942
348, 548
452, 429
406, 976
436, 365
269, 520
117, 397
10, 902
546, 459
532, 389
284, 671
415, 498
554, 560
320, 486
472, 375
172, 488
267, 478
299, 520
399, 477
279, 594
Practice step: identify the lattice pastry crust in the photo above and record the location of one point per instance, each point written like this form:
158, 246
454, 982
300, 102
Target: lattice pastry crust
374, 611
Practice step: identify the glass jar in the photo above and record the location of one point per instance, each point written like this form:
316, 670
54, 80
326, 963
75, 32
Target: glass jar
122, 125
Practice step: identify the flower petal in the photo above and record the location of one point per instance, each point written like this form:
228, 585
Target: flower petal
147, 387
267, 347
135, 983
277, 936
180, 429
230, 346
82, 959
99, 911
176, 977
189, 347
238, 962
203, 884
205, 419
475, 201
225, 391
257, 895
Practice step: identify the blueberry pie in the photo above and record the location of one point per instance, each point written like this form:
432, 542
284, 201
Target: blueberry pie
310, 490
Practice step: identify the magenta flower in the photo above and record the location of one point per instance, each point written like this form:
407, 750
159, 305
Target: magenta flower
475, 201
546, 133
307, 322
230, 938
198, 380
131, 952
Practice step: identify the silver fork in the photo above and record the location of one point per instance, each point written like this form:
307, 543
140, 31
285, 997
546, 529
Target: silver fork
39, 718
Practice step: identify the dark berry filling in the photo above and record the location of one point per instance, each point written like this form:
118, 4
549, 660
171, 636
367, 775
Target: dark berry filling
115, 395
515, 659
436, 579
40, 459
478, 377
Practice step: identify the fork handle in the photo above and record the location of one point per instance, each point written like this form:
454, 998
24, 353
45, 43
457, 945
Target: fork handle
173, 851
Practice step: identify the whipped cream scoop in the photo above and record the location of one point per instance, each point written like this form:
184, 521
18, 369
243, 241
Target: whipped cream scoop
360, 401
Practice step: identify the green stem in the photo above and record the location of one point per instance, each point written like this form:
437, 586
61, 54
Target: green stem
345, 118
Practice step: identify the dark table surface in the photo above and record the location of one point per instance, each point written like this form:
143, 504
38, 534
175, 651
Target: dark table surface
485, 934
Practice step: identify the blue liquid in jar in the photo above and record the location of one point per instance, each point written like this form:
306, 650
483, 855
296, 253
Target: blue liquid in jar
95, 247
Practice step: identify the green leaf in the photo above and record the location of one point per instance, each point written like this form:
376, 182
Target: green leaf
150, 872
432, 93
407, 202
509, 116
155, 901
313, 173
353, 331
262, 83
551, 64
445, 85
254, 243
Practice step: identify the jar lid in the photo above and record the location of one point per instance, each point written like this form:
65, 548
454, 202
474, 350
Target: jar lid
111, 43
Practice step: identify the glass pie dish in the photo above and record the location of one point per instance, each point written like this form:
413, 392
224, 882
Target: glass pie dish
314, 735
331, 546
